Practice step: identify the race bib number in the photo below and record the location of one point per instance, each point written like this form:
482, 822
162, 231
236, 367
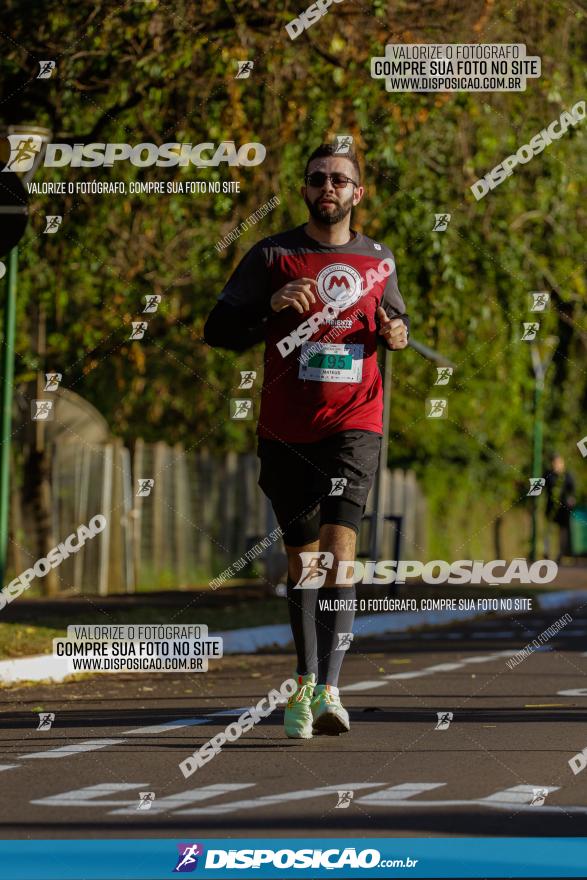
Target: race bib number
327, 362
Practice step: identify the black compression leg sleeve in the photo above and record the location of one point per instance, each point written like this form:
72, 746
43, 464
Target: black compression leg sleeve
302, 615
330, 626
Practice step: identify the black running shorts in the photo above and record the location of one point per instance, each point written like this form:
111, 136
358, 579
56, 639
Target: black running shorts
310, 484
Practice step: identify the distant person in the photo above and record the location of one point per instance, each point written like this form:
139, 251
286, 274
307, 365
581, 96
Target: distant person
560, 500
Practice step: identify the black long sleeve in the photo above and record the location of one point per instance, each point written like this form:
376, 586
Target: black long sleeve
231, 328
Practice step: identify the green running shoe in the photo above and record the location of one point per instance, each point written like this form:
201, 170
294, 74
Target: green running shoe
298, 715
330, 716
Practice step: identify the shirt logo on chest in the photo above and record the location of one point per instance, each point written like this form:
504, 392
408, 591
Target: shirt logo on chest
339, 284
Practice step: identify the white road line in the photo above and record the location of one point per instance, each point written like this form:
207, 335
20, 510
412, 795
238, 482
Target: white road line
518, 797
492, 635
573, 692
515, 799
86, 797
518, 794
399, 792
363, 686
192, 796
428, 670
441, 667
417, 673
163, 728
274, 799
8, 766
90, 745
205, 718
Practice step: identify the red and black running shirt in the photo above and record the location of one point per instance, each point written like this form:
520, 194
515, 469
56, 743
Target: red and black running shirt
320, 377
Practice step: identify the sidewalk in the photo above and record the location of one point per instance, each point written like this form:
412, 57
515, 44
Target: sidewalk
70, 608
248, 640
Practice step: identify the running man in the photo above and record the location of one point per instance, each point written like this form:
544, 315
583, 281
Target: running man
320, 296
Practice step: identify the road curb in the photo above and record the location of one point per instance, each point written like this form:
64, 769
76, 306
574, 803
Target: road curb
46, 667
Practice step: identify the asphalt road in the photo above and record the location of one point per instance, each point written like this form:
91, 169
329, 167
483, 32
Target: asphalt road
511, 736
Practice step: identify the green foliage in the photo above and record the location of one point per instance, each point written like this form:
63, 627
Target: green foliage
148, 71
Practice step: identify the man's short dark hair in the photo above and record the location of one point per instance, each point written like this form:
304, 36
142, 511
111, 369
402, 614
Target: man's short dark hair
327, 150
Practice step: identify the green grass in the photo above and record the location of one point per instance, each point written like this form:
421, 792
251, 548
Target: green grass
24, 639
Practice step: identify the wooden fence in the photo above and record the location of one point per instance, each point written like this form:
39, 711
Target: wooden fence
199, 515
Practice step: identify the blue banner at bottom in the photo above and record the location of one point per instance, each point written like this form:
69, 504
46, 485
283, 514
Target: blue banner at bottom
273, 858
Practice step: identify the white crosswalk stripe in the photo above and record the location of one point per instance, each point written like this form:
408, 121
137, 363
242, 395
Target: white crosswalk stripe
193, 796
518, 797
274, 799
90, 745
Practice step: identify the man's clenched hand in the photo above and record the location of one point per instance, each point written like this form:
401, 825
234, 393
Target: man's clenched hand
298, 294
393, 330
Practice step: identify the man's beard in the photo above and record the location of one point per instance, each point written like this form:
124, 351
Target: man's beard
327, 216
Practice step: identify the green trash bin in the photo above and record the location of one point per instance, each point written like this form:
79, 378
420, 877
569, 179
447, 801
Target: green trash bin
579, 531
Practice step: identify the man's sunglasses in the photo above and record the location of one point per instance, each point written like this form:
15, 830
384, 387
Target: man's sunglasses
319, 178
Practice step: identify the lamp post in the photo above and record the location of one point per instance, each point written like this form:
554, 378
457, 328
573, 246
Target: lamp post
378, 516
21, 152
